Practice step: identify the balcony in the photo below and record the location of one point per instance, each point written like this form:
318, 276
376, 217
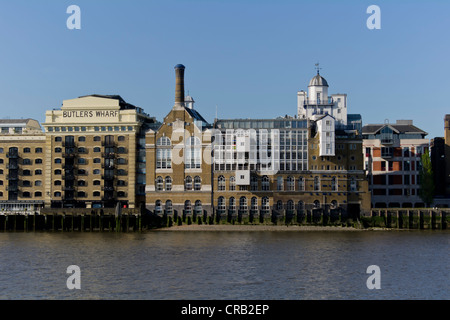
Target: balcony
318, 102
68, 177
12, 166
69, 188
108, 166
12, 177
69, 166
107, 188
12, 188
12, 155
108, 176
69, 155
108, 155
69, 144
387, 141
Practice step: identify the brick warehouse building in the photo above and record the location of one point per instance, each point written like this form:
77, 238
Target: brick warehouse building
259, 166
98, 150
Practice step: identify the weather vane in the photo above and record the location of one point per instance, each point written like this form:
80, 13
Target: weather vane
317, 67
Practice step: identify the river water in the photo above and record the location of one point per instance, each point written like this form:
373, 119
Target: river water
240, 265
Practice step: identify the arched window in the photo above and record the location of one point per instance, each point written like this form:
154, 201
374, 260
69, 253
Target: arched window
254, 183
265, 186
316, 204
169, 209
97, 149
254, 204
232, 183
96, 194
334, 204
38, 194
221, 204
159, 184
158, 207
187, 207
188, 183
198, 207
316, 183
221, 183
290, 183
301, 205
243, 204
193, 153
197, 183
290, 206
279, 205
168, 183
232, 204
163, 141
57, 194
280, 185
265, 204
163, 153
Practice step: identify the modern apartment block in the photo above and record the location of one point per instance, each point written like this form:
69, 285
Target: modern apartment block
392, 157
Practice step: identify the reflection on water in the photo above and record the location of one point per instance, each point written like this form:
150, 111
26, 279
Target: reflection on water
225, 265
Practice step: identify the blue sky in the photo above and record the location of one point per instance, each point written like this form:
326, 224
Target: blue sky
248, 58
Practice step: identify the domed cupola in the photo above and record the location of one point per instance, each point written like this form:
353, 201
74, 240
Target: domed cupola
318, 89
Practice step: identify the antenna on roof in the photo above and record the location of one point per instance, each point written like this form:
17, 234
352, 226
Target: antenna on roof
216, 111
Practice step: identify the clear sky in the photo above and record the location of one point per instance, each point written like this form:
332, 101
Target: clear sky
248, 58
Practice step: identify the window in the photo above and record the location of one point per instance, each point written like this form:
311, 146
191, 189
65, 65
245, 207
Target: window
57, 182
265, 204
301, 184
254, 183
96, 193
168, 181
301, 205
334, 184
265, 186
158, 207
121, 138
197, 183
221, 204
58, 150
198, 207
38, 194
81, 183
58, 160
254, 204
81, 139
97, 182
26, 162
121, 150
290, 183
316, 183
280, 185
81, 150
316, 204
26, 194
353, 184
193, 153
279, 205
26, 183
37, 172
97, 149
97, 160
159, 184
187, 207
121, 183
26, 172
58, 139
188, 183
121, 194
38, 150
243, 204
163, 153
81, 194
232, 186
38, 161
81, 161
58, 172
97, 138
96, 171
232, 205
221, 183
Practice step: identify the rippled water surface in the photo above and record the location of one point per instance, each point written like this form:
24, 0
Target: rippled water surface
225, 265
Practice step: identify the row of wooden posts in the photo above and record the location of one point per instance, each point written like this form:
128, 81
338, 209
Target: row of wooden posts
71, 222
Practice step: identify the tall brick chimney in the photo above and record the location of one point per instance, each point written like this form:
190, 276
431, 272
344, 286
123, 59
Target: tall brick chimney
179, 85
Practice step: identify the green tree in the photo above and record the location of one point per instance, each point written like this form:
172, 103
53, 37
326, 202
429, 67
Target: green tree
426, 191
